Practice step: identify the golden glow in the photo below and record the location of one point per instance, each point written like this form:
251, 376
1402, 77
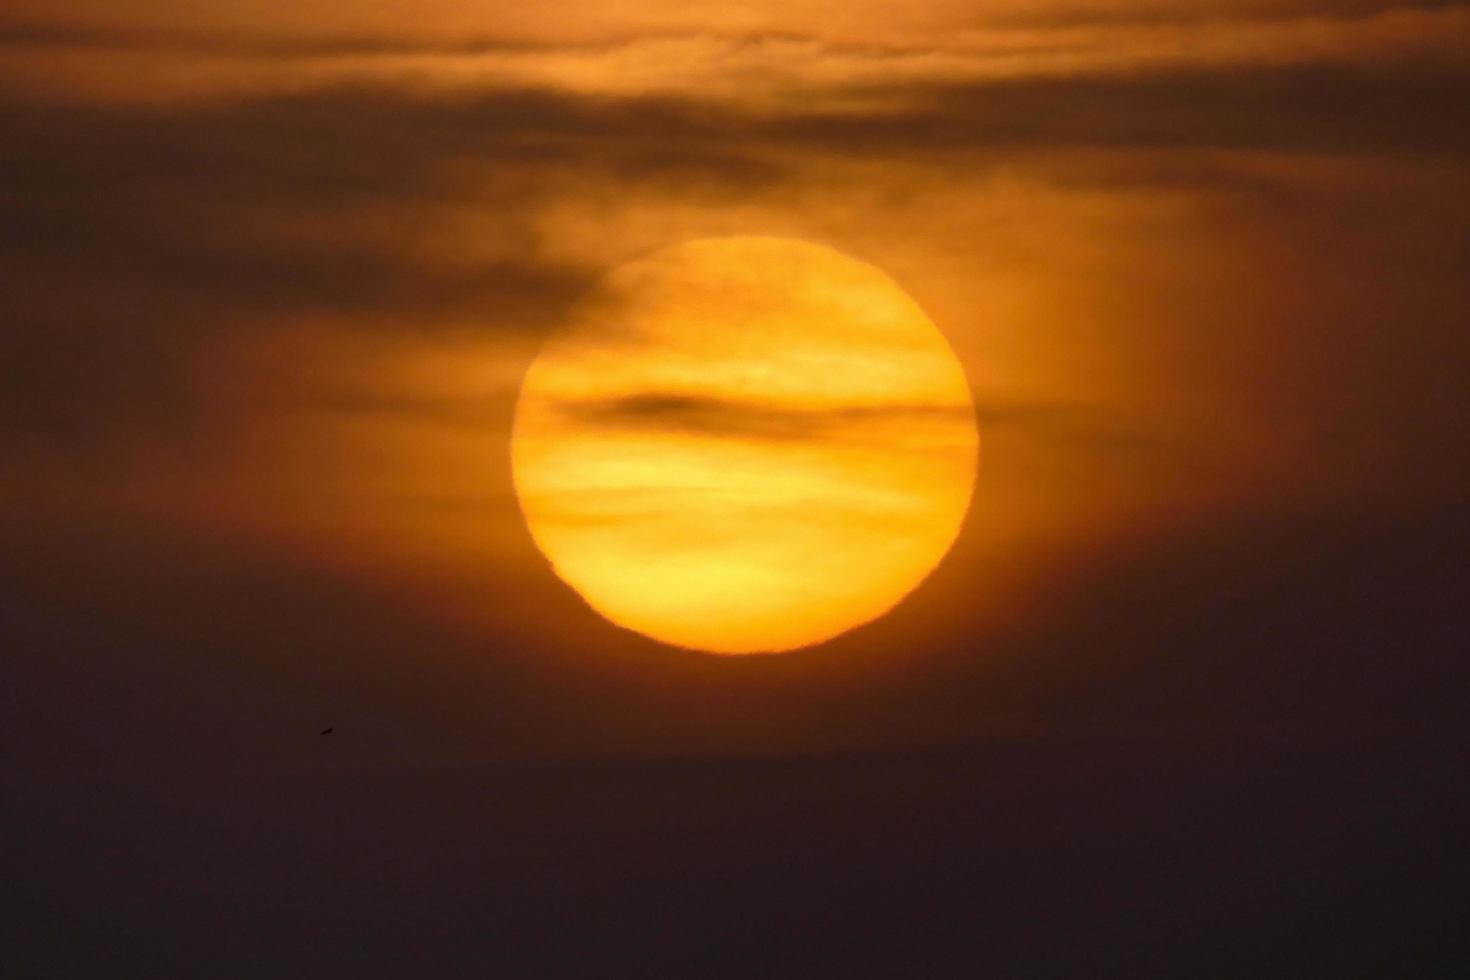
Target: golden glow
745, 445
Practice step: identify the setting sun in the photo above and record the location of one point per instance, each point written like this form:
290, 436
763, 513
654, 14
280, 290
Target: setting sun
745, 445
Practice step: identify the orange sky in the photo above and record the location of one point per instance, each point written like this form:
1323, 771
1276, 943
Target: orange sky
1186, 696
283, 266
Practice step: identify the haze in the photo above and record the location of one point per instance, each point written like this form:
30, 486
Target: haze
273, 273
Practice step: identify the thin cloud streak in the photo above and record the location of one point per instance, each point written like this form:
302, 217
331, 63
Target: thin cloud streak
727, 418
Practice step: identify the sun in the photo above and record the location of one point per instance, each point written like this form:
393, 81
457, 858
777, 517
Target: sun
745, 445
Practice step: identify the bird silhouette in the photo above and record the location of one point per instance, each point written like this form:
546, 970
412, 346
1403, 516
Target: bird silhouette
326, 731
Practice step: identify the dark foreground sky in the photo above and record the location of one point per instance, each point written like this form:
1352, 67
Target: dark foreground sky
1188, 694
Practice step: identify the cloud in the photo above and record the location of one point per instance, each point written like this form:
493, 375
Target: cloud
1304, 109
137, 235
492, 30
772, 64
1210, 12
727, 418
1075, 426
132, 237
135, 232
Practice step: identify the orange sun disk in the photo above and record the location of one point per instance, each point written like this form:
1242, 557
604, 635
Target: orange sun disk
744, 445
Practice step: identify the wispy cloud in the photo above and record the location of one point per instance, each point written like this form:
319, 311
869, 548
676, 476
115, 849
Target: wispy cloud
727, 418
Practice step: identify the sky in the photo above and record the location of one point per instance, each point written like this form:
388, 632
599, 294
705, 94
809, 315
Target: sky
273, 273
